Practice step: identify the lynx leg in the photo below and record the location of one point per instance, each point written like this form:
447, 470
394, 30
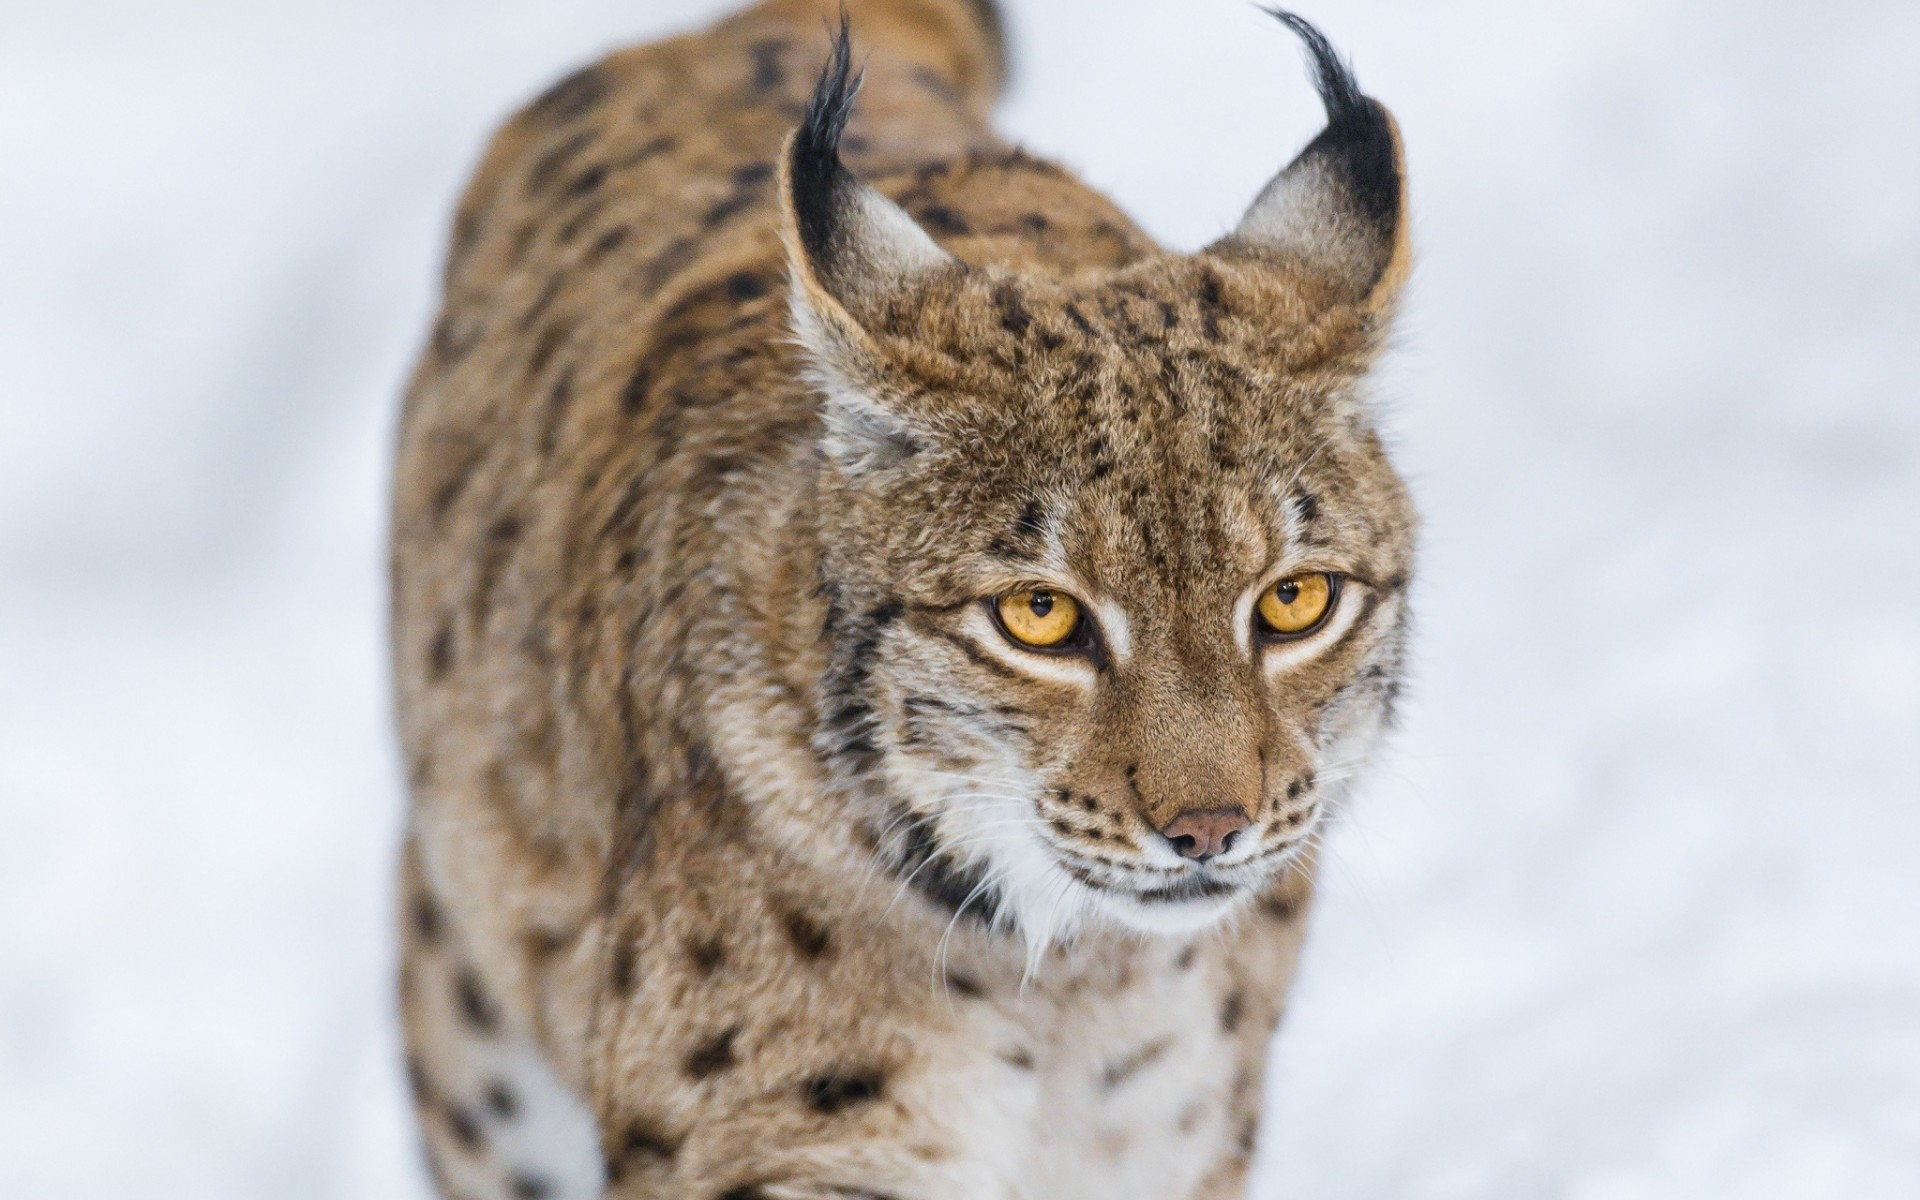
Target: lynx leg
497, 1123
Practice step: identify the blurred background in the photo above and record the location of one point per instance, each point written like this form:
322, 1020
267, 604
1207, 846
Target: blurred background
1633, 910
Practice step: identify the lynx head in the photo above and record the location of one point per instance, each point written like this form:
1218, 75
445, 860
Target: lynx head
1116, 563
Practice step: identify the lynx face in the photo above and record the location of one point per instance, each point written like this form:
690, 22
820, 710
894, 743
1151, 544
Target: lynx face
1118, 564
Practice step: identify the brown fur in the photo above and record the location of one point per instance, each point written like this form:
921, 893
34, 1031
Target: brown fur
677, 685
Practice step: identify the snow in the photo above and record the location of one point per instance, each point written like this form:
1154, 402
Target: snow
1632, 911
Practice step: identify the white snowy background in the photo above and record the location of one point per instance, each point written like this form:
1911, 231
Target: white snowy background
1633, 911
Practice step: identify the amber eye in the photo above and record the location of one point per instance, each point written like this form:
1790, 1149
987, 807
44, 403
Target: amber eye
1038, 617
1297, 604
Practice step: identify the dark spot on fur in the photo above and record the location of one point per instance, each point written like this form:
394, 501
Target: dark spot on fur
1014, 317
495, 551
609, 241
639, 385
830, 1093
643, 1138
1308, 506
579, 222
548, 166
1185, 959
440, 653
965, 985
1031, 523
713, 1055
725, 208
1122, 1069
505, 528
665, 265
572, 97
467, 227
746, 189
937, 85
620, 972
427, 921
418, 1085
1231, 1011
1280, 906
938, 218
641, 1145
768, 73
550, 340
747, 285
1212, 307
465, 1129
452, 337
559, 398
707, 954
521, 243
646, 150
466, 454
543, 944
1019, 1060
809, 937
501, 1100
476, 1007
1025, 535
620, 520
588, 180
530, 1187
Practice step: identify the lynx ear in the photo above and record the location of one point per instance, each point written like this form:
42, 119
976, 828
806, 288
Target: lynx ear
1338, 210
849, 251
848, 247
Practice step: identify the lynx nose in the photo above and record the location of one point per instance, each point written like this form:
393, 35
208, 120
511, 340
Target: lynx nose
1205, 834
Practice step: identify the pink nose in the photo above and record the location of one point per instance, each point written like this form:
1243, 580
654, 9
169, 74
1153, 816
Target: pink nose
1205, 834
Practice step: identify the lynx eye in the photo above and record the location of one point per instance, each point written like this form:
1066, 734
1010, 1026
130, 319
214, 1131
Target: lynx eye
1297, 604
1038, 617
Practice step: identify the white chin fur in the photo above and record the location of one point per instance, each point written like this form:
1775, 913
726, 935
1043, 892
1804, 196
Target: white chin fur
1053, 906
1178, 917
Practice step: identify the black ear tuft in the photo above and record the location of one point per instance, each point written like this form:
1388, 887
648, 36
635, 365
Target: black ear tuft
820, 180
847, 245
1358, 140
1333, 79
1336, 214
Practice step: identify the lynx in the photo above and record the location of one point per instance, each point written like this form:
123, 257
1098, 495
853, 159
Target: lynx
877, 638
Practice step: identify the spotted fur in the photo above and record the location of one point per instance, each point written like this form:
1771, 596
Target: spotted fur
747, 858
